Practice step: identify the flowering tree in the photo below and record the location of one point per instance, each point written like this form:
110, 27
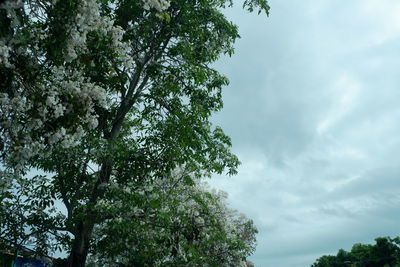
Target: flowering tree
176, 224
107, 93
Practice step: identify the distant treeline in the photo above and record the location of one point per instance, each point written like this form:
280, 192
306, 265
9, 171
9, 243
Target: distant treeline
384, 253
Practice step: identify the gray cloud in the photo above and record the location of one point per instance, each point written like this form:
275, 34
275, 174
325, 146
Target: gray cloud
313, 113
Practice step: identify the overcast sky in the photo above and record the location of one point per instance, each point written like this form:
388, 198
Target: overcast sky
313, 110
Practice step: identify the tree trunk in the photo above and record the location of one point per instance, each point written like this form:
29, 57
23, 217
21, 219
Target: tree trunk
84, 228
80, 245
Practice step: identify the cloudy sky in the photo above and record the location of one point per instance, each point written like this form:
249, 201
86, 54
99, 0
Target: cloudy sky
313, 110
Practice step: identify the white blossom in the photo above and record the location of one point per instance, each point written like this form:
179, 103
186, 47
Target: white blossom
10, 7
4, 55
71, 54
159, 5
58, 110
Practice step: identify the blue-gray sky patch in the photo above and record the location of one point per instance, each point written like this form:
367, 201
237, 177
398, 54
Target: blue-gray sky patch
313, 111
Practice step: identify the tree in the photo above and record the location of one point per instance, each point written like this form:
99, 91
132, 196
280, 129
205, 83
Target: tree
385, 253
182, 225
100, 93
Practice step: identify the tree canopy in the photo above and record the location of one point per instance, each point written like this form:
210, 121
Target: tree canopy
99, 98
384, 253
182, 225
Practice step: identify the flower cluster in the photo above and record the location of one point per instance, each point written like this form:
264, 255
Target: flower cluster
159, 5
4, 55
56, 113
58, 106
89, 19
11, 7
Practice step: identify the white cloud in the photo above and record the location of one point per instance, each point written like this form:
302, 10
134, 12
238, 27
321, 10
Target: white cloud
384, 15
344, 95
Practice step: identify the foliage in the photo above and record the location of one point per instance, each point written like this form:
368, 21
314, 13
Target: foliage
25, 219
384, 253
173, 224
101, 96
